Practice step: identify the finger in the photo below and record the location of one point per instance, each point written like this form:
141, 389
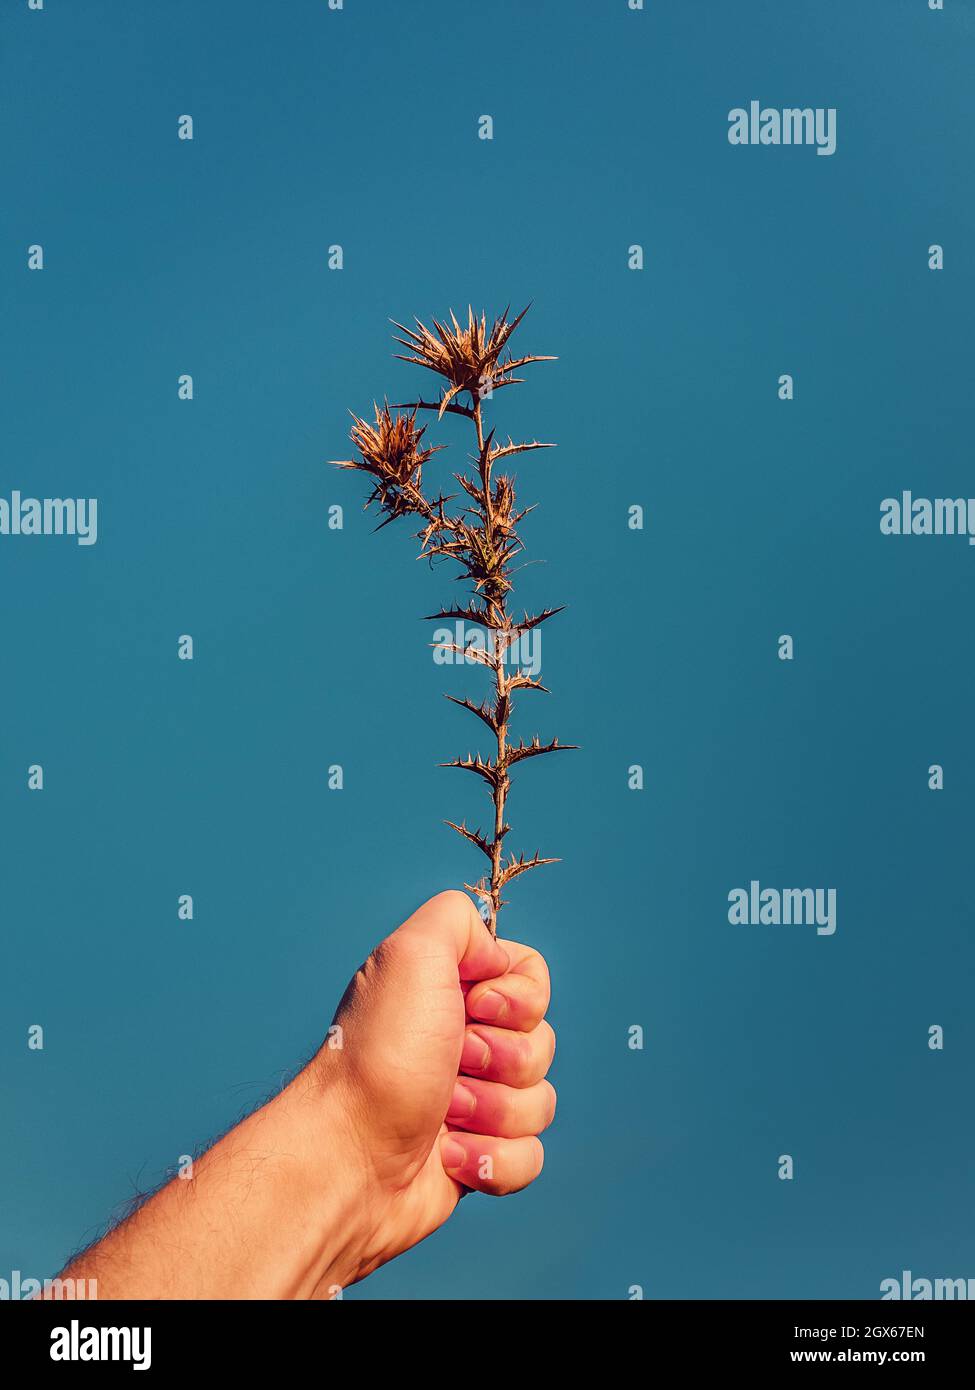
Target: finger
487, 1107
525, 960
450, 922
511, 1001
515, 1059
492, 1165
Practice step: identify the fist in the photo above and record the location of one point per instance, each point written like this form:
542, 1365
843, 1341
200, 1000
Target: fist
442, 1068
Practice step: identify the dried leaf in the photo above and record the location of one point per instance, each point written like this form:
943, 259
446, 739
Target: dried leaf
470, 613
516, 866
520, 680
483, 711
529, 621
487, 770
517, 753
475, 837
511, 448
474, 653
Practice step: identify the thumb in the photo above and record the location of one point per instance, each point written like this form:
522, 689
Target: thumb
451, 923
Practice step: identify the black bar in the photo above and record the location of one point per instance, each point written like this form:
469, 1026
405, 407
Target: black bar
404, 1337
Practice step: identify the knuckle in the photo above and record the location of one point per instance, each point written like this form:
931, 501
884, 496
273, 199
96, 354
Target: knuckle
524, 1057
538, 1154
508, 1108
452, 899
550, 1098
534, 998
542, 972
390, 956
541, 1048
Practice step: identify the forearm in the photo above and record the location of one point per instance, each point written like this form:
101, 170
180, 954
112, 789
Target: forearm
275, 1209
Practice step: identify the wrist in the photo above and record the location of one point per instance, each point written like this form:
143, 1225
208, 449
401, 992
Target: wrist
278, 1208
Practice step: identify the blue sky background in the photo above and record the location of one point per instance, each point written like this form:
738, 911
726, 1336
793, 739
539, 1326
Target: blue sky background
162, 257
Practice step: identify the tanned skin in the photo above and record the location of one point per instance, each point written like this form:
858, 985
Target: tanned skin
438, 1088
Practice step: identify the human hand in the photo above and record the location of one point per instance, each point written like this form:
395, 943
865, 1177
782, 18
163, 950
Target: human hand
437, 1087
440, 1073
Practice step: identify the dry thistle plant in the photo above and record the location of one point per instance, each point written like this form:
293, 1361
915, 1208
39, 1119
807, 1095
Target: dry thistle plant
480, 535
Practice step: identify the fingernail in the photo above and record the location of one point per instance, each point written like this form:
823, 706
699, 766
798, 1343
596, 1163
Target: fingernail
452, 1154
489, 1007
462, 1103
475, 1054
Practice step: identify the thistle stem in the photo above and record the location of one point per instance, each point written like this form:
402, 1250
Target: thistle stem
499, 620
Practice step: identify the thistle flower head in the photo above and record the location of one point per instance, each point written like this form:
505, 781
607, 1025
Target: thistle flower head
470, 359
390, 452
